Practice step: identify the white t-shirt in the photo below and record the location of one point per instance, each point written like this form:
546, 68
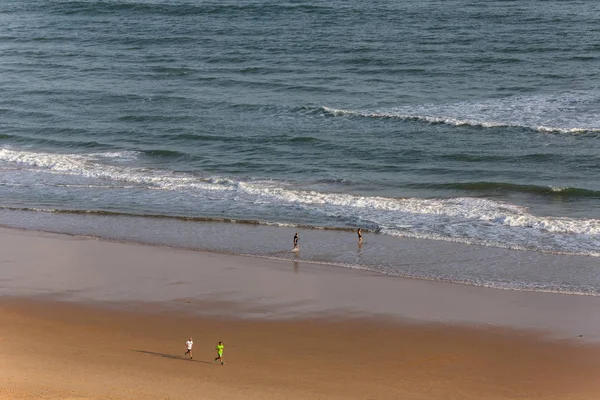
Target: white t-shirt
189, 344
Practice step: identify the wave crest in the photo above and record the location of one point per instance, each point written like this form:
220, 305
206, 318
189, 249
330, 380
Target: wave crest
571, 112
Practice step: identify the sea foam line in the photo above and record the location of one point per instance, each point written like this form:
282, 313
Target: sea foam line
465, 219
570, 112
453, 121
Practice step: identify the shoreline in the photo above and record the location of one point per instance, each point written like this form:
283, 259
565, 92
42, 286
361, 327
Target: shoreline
80, 269
340, 267
411, 258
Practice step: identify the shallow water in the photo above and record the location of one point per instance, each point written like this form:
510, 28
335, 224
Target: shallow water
382, 254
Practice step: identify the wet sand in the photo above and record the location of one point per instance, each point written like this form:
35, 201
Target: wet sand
380, 253
89, 319
72, 268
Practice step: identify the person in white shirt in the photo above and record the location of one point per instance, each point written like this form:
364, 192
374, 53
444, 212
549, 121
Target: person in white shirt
188, 346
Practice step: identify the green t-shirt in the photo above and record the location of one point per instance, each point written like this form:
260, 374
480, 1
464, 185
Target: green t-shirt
219, 348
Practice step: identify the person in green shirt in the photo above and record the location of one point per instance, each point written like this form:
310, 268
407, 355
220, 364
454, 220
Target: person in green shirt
219, 349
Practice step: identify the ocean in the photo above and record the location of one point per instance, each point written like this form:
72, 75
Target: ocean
463, 137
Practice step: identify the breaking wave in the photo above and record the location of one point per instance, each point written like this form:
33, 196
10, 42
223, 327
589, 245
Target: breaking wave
463, 219
575, 113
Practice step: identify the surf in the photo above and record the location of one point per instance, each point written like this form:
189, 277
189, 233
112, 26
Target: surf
568, 112
470, 220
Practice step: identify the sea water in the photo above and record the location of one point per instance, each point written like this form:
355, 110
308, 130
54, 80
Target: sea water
468, 132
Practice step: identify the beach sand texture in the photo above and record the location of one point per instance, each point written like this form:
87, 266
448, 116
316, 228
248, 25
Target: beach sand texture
67, 351
59, 342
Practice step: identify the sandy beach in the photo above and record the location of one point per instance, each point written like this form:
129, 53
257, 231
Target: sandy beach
389, 200
89, 319
67, 351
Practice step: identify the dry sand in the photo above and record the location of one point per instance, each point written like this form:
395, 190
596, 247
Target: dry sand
67, 351
87, 319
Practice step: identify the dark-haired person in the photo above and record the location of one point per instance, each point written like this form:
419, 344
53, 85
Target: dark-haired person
219, 350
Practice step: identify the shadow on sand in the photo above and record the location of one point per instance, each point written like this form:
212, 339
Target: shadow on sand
171, 356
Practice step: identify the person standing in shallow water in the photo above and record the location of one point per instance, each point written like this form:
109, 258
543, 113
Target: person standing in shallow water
359, 233
296, 241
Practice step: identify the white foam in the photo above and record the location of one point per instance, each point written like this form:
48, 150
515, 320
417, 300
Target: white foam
84, 165
570, 112
467, 220
122, 155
